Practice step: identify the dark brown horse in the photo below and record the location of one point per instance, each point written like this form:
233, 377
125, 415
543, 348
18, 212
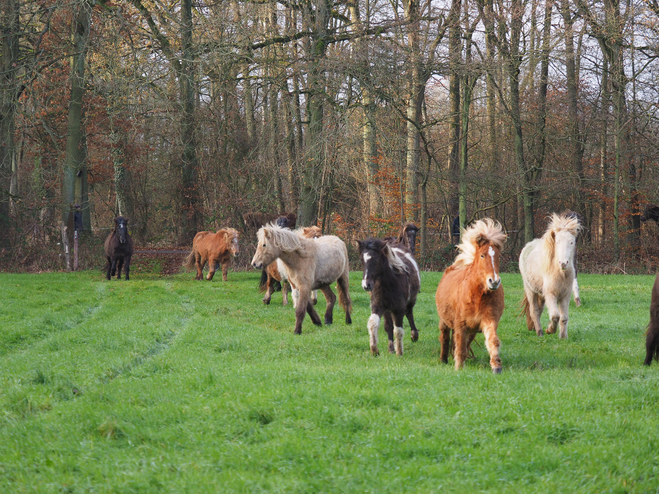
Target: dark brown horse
652, 336
119, 248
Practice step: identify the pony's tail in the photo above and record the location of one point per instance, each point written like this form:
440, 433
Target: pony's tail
651, 344
189, 262
526, 311
344, 296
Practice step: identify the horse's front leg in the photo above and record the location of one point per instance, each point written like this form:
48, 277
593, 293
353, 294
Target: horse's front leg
127, 267
109, 273
398, 333
492, 344
563, 309
536, 305
554, 313
284, 292
212, 264
304, 305
113, 267
373, 329
460, 342
331, 300
389, 328
225, 270
120, 264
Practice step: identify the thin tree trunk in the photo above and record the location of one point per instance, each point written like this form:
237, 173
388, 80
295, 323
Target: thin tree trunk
455, 57
603, 142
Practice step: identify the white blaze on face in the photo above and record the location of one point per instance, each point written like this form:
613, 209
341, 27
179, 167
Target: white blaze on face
366, 257
494, 269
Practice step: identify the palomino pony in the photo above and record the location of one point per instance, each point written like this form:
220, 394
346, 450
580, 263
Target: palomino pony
547, 267
276, 271
652, 336
391, 275
216, 248
470, 296
119, 248
310, 264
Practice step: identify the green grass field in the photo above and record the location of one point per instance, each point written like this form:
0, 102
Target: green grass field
170, 385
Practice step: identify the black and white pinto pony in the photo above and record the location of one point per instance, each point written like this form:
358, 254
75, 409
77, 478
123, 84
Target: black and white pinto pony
391, 275
547, 268
310, 264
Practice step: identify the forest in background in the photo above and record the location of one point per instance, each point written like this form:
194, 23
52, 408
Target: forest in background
356, 115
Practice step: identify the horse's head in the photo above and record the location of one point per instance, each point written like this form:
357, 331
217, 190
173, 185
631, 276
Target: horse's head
272, 241
565, 245
311, 232
651, 212
486, 263
121, 228
371, 252
232, 241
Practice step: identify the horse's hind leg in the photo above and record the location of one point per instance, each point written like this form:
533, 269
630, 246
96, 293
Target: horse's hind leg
575, 291
444, 341
564, 306
331, 300
113, 267
343, 287
414, 333
199, 264
536, 305
127, 268
284, 292
120, 264
389, 328
225, 270
109, 269
398, 333
651, 342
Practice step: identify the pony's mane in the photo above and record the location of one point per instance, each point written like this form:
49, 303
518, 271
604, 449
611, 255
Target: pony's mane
557, 223
486, 229
394, 260
232, 232
283, 238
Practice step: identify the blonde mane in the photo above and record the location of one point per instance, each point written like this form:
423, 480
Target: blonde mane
395, 261
282, 238
486, 229
557, 223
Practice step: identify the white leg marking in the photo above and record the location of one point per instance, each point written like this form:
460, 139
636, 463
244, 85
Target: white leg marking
296, 296
398, 340
373, 327
314, 296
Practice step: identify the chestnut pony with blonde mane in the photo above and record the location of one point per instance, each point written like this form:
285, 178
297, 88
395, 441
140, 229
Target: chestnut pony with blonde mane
310, 264
216, 248
470, 296
547, 268
276, 271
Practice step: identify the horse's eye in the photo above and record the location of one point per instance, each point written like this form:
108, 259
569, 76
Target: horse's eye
482, 256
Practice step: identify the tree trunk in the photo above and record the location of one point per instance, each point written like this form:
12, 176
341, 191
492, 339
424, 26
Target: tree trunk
455, 57
603, 142
74, 160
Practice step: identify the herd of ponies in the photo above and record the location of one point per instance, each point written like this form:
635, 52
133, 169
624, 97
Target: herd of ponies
469, 297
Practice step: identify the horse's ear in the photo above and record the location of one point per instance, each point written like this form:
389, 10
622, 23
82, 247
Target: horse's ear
360, 245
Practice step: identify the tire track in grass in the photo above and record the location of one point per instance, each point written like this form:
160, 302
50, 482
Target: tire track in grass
162, 342
49, 326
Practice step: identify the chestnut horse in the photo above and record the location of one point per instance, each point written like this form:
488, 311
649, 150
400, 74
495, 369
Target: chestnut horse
276, 271
391, 275
547, 268
119, 248
310, 264
216, 248
469, 297
652, 336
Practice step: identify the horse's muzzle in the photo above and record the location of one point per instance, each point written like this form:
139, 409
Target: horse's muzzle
367, 285
493, 285
257, 265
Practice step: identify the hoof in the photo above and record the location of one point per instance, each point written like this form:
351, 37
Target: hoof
348, 319
328, 321
375, 352
496, 370
541, 333
297, 331
415, 335
266, 302
577, 302
391, 347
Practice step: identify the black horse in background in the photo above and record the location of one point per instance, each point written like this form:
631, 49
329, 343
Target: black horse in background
119, 248
651, 212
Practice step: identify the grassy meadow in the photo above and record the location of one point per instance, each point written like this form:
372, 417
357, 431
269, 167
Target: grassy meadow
164, 384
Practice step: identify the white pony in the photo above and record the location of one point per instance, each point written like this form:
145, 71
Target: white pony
310, 264
547, 267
